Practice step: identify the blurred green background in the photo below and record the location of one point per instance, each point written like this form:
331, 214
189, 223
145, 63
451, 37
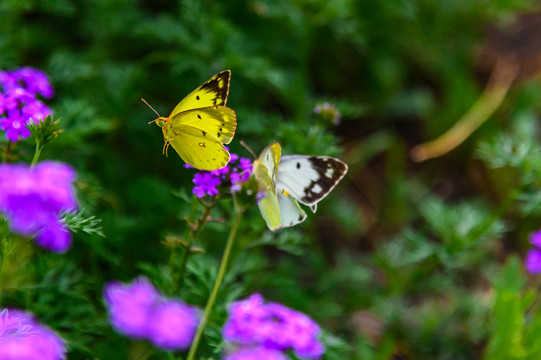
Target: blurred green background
403, 260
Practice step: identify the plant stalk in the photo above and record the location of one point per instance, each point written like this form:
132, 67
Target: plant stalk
9, 146
217, 283
503, 75
187, 247
37, 153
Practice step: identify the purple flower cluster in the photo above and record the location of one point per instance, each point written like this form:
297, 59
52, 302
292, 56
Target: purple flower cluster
237, 171
32, 200
23, 338
533, 257
328, 112
18, 100
256, 353
139, 311
260, 327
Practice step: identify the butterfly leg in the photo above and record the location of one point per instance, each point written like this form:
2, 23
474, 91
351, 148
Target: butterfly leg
165, 147
167, 143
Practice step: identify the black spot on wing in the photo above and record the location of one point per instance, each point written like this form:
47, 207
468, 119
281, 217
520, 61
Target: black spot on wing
218, 85
330, 171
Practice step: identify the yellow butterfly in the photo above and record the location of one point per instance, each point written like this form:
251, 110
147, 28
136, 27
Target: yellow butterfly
200, 125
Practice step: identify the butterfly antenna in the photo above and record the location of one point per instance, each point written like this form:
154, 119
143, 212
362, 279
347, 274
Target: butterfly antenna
248, 148
143, 100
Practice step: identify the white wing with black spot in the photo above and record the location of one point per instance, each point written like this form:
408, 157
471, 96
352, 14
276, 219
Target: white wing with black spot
308, 179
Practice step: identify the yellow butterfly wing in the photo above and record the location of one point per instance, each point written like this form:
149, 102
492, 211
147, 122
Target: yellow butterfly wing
203, 152
218, 123
265, 169
198, 136
212, 93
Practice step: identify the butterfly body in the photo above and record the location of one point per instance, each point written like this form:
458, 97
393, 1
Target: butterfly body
265, 170
201, 124
294, 179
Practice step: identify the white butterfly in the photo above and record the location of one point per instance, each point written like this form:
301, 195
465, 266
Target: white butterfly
291, 179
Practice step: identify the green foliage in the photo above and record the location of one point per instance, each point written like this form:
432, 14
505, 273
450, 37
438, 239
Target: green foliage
77, 221
401, 260
45, 131
514, 326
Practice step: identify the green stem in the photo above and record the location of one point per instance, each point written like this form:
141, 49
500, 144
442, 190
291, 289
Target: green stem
9, 146
187, 247
178, 274
217, 284
5, 251
37, 153
3, 257
505, 205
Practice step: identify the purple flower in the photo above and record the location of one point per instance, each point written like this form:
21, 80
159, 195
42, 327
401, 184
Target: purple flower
18, 98
246, 164
8, 80
36, 111
236, 181
233, 173
15, 126
23, 338
173, 325
533, 261
130, 306
243, 172
19, 95
328, 112
32, 200
535, 238
256, 353
206, 184
35, 81
138, 310
220, 172
7, 103
252, 322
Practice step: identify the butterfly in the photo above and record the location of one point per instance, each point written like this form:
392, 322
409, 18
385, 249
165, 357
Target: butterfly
200, 125
286, 181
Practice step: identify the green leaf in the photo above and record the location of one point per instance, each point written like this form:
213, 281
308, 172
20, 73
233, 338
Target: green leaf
508, 323
77, 221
